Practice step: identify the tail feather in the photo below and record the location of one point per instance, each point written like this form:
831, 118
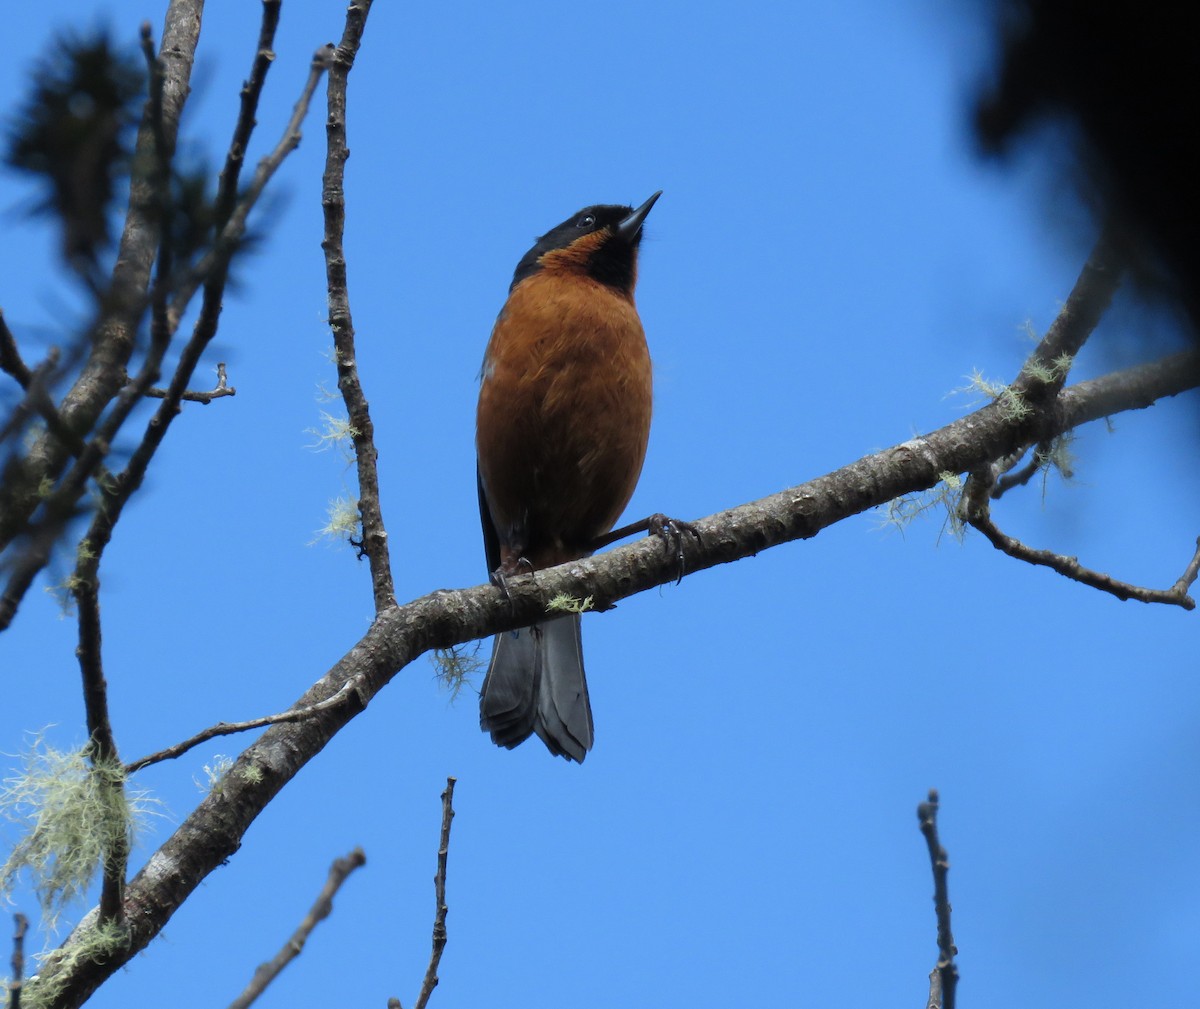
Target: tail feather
508, 701
564, 721
536, 683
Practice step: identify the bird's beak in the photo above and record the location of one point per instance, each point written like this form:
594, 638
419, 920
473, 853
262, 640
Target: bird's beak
629, 228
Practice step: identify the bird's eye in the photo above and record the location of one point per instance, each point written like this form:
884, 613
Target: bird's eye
586, 221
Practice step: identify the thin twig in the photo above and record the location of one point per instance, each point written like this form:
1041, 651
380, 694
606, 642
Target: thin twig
21, 925
333, 201
1008, 476
10, 357
976, 511
439, 889
229, 728
102, 750
235, 228
1069, 567
321, 909
251, 91
158, 176
943, 980
223, 388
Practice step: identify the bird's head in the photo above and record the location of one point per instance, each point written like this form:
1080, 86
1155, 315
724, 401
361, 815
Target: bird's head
600, 242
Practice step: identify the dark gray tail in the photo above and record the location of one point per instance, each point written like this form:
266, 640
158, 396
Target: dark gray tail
535, 683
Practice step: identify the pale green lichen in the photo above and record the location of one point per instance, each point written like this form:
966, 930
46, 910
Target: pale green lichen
901, 512
73, 814
342, 519
213, 773
334, 431
91, 942
564, 603
454, 667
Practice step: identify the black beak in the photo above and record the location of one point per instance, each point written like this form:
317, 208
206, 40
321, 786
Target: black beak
631, 227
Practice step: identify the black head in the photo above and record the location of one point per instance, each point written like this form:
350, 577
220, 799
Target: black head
601, 241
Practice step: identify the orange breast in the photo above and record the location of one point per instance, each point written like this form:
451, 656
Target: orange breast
564, 415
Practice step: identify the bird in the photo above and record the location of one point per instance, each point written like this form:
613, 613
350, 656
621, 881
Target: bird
561, 431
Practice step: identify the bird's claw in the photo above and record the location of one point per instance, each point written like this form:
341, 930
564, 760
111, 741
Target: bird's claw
508, 569
671, 532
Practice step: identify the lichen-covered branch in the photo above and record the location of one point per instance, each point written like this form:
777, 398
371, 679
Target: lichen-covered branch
1045, 372
333, 202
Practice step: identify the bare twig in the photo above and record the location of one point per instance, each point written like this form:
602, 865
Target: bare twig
321, 909
439, 889
1008, 476
251, 91
222, 389
943, 980
103, 746
235, 228
333, 200
21, 925
10, 356
158, 176
977, 513
229, 728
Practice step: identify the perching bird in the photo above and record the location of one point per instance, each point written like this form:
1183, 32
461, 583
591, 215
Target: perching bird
560, 436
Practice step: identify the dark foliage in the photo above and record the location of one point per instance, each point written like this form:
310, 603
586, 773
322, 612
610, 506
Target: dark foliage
75, 133
1119, 83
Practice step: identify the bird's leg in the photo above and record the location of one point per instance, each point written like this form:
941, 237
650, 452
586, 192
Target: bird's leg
512, 562
669, 530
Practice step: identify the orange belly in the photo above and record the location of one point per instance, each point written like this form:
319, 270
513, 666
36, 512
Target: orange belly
563, 418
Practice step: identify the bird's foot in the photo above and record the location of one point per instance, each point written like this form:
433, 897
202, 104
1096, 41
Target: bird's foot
509, 569
671, 532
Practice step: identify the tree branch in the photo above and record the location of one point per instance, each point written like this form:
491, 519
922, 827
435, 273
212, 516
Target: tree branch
115, 493
943, 979
1045, 372
1038, 389
976, 510
333, 201
1008, 476
321, 909
229, 728
213, 831
250, 94
222, 389
102, 750
10, 357
112, 342
439, 891
20, 926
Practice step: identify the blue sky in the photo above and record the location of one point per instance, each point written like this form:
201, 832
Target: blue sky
828, 262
